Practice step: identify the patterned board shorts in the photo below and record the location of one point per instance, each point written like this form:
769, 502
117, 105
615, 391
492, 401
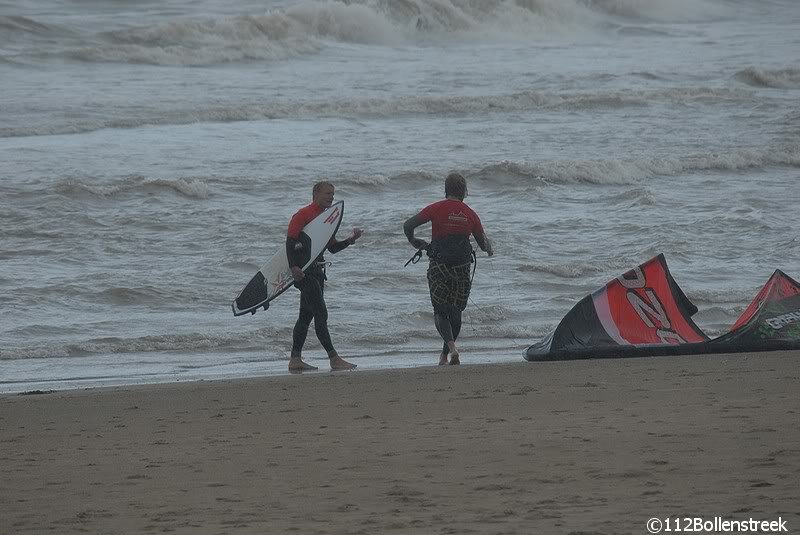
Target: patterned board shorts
449, 285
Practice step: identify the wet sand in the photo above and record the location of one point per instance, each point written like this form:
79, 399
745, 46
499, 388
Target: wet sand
594, 446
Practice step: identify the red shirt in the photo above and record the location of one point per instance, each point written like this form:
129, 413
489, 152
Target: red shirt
303, 217
451, 217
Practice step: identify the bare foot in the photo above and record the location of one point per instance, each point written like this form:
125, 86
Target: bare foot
296, 365
443, 359
338, 363
453, 353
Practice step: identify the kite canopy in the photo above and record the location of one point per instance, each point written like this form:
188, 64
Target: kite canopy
644, 312
771, 321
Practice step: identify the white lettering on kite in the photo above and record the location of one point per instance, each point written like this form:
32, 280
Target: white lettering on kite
778, 322
654, 309
636, 282
670, 337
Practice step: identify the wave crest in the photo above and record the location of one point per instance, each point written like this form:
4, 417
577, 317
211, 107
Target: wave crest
788, 78
303, 28
191, 188
634, 171
24, 25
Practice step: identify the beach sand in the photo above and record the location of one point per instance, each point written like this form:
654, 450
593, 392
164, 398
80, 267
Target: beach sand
593, 446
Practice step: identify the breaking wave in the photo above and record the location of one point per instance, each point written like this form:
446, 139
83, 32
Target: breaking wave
155, 343
633, 171
304, 28
191, 188
657, 10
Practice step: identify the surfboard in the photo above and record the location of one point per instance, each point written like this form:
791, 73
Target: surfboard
275, 277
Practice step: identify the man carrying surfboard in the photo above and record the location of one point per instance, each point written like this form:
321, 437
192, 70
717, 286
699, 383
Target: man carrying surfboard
312, 283
450, 254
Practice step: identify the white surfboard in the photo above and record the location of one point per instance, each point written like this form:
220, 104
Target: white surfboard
275, 277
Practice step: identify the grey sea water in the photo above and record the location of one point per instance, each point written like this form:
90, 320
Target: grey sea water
152, 153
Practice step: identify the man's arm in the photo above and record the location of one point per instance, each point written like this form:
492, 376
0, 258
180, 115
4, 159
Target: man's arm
294, 253
335, 246
483, 241
294, 247
409, 226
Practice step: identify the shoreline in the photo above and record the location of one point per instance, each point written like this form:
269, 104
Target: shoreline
107, 371
594, 445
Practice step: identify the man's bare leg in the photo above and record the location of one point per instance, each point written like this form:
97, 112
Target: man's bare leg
338, 363
296, 364
453, 353
443, 358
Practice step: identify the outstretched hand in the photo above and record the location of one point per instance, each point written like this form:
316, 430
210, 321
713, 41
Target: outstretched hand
487, 245
357, 232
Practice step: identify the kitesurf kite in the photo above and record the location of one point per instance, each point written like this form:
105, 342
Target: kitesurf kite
643, 312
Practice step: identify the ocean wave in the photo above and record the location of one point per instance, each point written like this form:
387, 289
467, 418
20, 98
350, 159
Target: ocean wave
192, 54
573, 270
28, 26
487, 313
298, 31
736, 297
635, 170
277, 339
401, 106
303, 28
474, 313
38, 253
144, 344
631, 198
142, 295
473, 326
718, 314
505, 331
191, 188
392, 280
660, 11
788, 78
403, 180
623, 171
566, 271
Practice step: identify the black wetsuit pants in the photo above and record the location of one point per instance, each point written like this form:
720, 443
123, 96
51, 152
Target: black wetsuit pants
449, 287
312, 307
448, 322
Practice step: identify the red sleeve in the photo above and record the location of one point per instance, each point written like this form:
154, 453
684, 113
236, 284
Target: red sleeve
300, 219
427, 213
477, 228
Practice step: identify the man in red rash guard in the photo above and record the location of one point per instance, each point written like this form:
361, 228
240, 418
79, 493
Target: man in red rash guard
312, 283
450, 254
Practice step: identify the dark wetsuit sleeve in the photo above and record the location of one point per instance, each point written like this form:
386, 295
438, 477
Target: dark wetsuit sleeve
336, 246
294, 245
480, 238
294, 253
479, 233
412, 223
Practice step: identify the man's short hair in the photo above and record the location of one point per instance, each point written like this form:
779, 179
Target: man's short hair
318, 186
455, 185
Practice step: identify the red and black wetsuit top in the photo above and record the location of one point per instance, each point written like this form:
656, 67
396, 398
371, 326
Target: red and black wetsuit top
452, 223
298, 256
